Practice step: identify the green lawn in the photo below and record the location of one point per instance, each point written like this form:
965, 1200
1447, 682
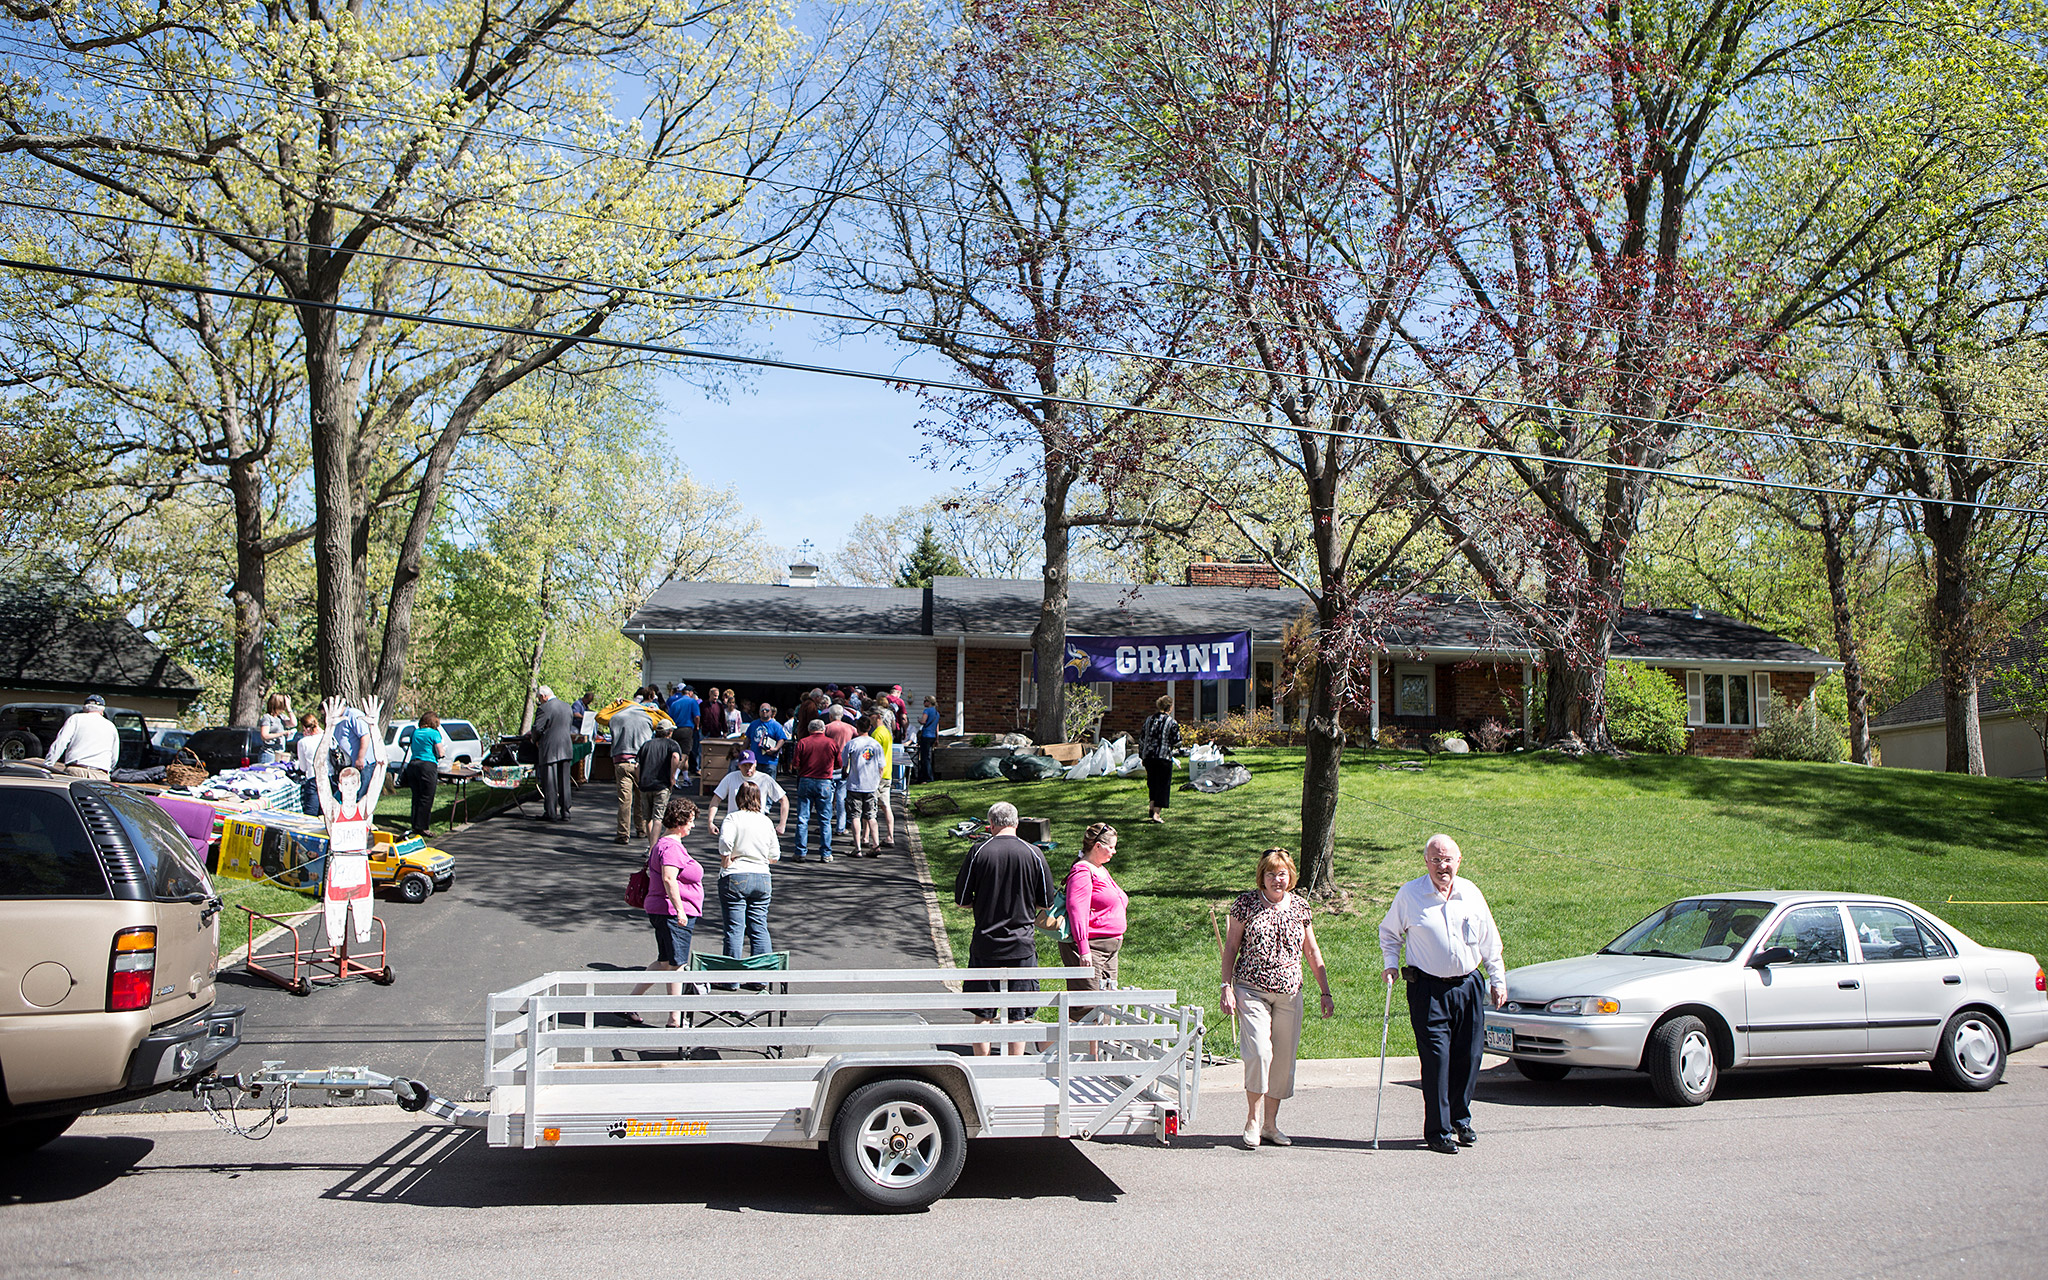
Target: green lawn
1569, 853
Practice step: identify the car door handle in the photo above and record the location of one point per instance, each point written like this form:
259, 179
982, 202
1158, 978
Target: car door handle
1848, 984
1951, 980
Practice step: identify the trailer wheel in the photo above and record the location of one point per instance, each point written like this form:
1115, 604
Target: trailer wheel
415, 887
897, 1145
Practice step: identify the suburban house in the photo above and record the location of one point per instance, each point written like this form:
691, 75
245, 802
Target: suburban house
967, 641
51, 651
1913, 733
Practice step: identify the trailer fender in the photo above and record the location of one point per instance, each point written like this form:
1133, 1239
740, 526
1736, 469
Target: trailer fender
847, 1072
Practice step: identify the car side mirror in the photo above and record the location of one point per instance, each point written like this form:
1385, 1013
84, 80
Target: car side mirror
1769, 956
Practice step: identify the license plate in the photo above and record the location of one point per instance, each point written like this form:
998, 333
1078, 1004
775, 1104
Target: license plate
1499, 1038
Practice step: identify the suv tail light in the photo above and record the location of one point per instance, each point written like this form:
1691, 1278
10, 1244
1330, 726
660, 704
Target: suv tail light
132, 978
244, 764
2041, 979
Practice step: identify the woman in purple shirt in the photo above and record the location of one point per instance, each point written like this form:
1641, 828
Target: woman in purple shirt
675, 898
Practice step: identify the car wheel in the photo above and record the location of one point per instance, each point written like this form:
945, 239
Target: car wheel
20, 744
897, 1145
1681, 1062
1543, 1071
24, 1136
415, 887
1971, 1053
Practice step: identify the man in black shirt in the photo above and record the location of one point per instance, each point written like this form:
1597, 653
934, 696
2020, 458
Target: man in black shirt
660, 765
1006, 883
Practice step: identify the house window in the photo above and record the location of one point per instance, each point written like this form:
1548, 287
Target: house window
1027, 688
1414, 691
1731, 699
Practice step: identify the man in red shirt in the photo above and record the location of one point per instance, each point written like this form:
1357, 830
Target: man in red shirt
817, 760
839, 728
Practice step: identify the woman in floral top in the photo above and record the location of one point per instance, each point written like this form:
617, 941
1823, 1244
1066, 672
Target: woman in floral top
1270, 934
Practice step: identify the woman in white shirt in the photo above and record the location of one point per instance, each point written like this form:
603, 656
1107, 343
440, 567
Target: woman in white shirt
747, 845
312, 746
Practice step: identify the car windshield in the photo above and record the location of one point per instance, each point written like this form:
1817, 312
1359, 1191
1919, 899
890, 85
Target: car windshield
1693, 929
167, 858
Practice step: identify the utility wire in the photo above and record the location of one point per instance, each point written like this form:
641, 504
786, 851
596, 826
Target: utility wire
902, 379
1701, 422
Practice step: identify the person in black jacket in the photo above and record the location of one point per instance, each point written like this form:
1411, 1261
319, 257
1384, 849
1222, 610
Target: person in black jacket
552, 728
1157, 742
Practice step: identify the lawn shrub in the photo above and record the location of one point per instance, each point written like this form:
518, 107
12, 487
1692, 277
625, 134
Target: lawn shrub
1242, 729
1645, 709
1491, 735
1797, 731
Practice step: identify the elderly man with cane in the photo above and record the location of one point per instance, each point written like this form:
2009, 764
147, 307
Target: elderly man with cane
1450, 936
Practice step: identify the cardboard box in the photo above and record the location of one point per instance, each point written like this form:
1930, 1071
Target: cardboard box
1067, 753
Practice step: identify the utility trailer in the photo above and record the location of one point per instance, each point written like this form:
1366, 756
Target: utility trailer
868, 1075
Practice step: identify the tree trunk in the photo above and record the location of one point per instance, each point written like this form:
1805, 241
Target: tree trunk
1049, 636
1955, 638
1322, 777
338, 625
411, 564
1575, 693
245, 483
1836, 562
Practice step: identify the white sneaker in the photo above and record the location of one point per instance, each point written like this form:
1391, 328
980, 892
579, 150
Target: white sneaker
1251, 1136
1273, 1137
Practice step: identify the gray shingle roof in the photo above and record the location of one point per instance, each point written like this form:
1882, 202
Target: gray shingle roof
1009, 607
2026, 646
741, 606
47, 644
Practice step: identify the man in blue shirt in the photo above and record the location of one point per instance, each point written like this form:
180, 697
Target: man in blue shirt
765, 737
351, 742
685, 709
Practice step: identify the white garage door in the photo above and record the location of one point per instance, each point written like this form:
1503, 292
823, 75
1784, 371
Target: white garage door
789, 660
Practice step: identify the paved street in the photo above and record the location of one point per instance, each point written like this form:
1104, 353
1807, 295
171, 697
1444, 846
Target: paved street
531, 897
1817, 1174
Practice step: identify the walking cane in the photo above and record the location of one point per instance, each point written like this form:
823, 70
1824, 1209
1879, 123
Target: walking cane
1386, 1012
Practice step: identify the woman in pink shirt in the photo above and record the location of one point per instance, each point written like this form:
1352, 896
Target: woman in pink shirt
675, 898
1095, 911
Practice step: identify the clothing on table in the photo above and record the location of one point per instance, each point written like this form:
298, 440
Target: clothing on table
1269, 954
1159, 783
669, 852
87, 739
749, 839
1447, 937
1268, 1038
745, 896
729, 786
1100, 956
1096, 904
1006, 882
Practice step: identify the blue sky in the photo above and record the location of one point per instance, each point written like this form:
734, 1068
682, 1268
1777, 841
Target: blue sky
858, 439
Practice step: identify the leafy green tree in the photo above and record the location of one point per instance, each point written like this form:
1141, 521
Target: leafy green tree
928, 560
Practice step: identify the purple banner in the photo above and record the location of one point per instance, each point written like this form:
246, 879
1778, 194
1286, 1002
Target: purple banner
1155, 659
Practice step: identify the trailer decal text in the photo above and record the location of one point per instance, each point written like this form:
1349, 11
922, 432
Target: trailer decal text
669, 1128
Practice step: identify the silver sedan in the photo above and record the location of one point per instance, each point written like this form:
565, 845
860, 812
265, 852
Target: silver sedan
1775, 980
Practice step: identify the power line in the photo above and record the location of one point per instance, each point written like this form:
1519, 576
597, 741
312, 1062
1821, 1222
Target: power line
899, 379
1504, 402
261, 92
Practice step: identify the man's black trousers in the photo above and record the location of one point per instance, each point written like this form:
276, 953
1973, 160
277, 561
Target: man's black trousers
554, 789
1447, 1016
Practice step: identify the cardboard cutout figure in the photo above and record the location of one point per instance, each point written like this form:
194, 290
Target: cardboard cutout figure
346, 889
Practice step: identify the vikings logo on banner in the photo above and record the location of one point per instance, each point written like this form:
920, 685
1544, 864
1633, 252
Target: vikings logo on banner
1152, 659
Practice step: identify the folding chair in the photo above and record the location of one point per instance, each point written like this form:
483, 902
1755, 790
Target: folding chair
771, 962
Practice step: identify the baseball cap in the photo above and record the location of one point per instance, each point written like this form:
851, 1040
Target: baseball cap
744, 757
95, 700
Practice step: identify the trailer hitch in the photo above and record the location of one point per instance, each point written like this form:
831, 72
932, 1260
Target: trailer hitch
271, 1086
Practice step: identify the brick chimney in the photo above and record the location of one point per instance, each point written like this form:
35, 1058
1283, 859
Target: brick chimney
1234, 573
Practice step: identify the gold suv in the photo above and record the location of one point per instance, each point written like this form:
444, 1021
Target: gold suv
109, 939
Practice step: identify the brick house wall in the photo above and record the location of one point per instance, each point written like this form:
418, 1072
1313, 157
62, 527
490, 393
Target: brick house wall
1739, 743
992, 685
1234, 573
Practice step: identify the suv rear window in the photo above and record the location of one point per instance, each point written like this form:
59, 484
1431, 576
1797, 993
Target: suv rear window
219, 742
44, 852
167, 862
458, 729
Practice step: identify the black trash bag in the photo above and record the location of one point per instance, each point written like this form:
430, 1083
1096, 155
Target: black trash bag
1030, 768
983, 769
1223, 778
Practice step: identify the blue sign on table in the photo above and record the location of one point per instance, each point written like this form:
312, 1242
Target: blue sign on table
1153, 659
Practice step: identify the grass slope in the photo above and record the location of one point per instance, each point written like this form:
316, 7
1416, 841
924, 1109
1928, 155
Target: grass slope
1569, 853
